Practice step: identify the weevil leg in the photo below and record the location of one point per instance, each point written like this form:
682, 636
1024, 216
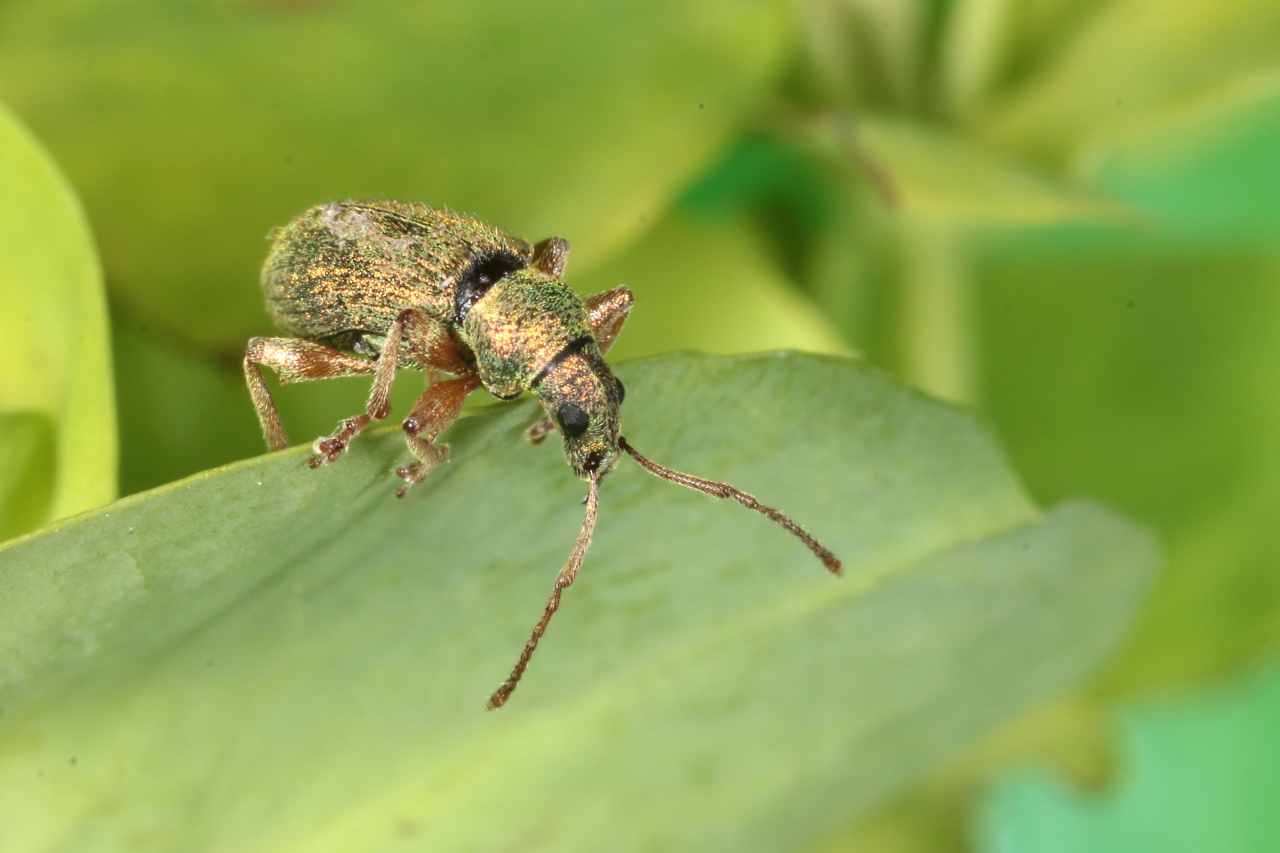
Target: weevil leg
435, 411
265, 404
551, 256
293, 360
538, 432
607, 312
435, 348
378, 405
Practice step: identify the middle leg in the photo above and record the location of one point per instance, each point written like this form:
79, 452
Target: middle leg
327, 449
435, 411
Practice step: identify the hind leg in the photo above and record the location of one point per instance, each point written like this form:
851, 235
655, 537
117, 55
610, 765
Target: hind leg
378, 406
293, 360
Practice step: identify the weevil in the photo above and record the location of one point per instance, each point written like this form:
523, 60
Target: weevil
366, 288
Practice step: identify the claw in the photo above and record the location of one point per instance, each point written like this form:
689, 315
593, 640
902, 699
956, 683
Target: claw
329, 448
418, 471
411, 476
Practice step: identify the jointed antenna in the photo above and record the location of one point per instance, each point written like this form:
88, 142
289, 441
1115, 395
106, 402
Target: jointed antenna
566, 577
723, 490
569, 573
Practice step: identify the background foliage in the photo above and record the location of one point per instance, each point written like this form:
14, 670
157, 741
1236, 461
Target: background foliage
1061, 212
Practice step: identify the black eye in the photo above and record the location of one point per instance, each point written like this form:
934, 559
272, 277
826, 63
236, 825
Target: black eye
622, 392
573, 421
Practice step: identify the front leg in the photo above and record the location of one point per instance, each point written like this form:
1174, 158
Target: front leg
538, 432
436, 410
378, 406
607, 312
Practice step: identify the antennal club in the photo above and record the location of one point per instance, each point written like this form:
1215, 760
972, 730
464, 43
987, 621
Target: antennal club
566, 577
723, 490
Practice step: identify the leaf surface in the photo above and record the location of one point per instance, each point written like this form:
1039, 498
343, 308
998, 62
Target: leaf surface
265, 657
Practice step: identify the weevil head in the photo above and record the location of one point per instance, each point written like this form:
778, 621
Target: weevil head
582, 396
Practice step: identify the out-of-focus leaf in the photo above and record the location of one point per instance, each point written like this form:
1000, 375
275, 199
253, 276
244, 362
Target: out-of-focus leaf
937, 172
26, 471
1135, 67
1073, 735
971, 51
709, 286
266, 657
55, 365
868, 52
1210, 182
1138, 365
1145, 372
1032, 32
193, 129
181, 413
1200, 774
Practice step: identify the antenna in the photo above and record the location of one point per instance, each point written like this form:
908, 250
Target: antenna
569, 573
566, 577
723, 490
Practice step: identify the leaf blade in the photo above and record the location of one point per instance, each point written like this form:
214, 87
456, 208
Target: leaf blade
322, 680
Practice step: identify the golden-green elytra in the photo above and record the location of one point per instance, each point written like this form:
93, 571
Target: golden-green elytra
366, 287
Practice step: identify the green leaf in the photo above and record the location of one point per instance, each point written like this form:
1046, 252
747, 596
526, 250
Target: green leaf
266, 657
193, 129
1112, 366
710, 286
55, 366
1214, 185
1133, 70
1199, 774
26, 466
937, 172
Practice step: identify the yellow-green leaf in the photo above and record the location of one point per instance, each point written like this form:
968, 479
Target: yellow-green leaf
1135, 67
708, 286
937, 172
55, 365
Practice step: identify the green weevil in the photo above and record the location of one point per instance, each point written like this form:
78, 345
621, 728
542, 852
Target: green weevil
369, 287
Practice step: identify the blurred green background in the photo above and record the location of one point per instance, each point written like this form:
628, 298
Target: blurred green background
1064, 213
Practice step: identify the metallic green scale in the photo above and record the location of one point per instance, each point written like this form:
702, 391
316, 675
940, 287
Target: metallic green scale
528, 324
324, 266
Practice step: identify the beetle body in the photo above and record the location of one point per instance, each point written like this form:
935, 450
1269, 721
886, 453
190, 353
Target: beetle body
342, 274
370, 287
